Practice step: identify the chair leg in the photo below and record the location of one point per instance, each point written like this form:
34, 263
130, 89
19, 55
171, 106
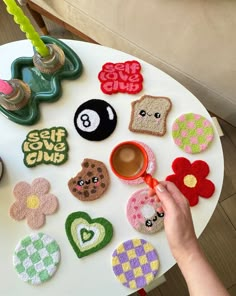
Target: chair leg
38, 19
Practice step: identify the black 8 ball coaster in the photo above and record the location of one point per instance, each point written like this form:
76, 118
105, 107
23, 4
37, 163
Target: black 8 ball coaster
95, 120
1, 168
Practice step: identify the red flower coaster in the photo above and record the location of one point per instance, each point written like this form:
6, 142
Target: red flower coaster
191, 179
121, 77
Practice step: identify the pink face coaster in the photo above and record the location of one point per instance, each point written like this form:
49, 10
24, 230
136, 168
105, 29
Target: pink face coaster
135, 263
192, 132
121, 77
142, 212
152, 165
33, 202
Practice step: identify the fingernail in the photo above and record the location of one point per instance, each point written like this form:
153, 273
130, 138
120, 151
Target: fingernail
160, 188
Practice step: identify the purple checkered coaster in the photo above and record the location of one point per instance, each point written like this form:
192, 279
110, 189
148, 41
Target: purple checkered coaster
135, 263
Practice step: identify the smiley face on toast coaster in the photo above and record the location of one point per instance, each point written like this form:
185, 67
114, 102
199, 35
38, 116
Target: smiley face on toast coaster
95, 120
149, 115
135, 263
47, 146
36, 258
91, 182
142, 212
192, 132
1, 168
121, 77
87, 235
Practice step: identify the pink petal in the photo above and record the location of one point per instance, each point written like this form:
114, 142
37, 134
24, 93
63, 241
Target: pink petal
22, 190
40, 186
35, 219
18, 211
48, 204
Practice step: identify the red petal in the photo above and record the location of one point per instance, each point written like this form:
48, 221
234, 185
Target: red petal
181, 166
200, 169
205, 188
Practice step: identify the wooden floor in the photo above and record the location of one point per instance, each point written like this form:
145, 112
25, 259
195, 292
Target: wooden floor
219, 238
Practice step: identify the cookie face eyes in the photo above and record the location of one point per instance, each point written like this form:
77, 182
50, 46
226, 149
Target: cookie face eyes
95, 120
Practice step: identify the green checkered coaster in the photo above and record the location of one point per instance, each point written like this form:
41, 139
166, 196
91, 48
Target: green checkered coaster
36, 258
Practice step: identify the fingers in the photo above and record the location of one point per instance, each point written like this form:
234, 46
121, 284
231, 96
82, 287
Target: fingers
174, 191
167, 201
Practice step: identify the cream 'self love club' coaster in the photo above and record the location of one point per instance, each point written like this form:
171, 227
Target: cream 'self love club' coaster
192, 132
47, 146
91, 182
36, 258
149, 115
87, 235
135, 263
142, 212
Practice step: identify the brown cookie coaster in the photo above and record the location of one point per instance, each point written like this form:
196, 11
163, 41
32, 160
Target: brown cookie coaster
149, 115
91, 182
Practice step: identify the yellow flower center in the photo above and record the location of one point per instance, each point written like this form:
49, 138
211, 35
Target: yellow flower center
32, 202
190, 181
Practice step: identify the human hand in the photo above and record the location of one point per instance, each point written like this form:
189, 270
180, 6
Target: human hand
177, 220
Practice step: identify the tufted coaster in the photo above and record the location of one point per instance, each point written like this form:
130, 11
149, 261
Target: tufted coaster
87, 235
33, 202
121, 77
191, 180
91, 182
36, 258
95, 120
47, 146
149, 115
152, 165
192, 132
142, 212
135, 263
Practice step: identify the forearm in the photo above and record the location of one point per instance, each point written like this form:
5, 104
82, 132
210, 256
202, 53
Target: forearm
199, 275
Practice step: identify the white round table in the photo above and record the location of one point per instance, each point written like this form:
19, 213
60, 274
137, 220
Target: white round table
92, 275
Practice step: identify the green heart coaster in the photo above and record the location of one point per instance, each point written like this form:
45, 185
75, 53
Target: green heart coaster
87, 235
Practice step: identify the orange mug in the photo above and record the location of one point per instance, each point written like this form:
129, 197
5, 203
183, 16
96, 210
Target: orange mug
129, 161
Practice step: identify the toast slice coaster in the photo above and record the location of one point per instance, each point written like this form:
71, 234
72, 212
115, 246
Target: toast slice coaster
135, 263
87, 235
149, 115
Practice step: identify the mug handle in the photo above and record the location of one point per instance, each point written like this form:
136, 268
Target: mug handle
150, 181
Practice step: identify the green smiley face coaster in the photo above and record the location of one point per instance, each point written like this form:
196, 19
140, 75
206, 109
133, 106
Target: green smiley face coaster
87, 235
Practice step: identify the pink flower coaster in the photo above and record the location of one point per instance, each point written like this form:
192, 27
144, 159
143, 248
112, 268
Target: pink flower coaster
33, 202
